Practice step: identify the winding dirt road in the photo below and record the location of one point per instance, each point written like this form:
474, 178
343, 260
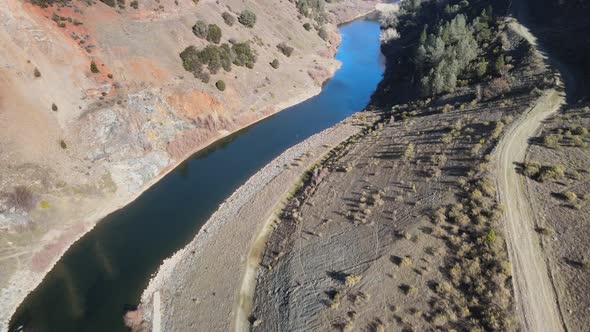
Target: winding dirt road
535, 295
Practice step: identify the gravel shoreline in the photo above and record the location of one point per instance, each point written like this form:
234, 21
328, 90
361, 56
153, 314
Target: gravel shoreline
197, 285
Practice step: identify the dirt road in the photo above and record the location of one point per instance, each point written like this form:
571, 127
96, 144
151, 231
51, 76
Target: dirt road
535, 296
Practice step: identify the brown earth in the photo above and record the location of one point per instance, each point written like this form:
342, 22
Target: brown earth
561, 209
112, 134
397, 228
405, 231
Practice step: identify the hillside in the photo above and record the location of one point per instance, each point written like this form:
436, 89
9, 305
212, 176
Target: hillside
413, 224
96, 103
411, 215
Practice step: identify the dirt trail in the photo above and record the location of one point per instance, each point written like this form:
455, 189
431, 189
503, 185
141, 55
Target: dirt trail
535, 295
534, 291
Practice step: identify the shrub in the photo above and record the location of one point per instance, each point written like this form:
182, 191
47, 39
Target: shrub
220, 85
63, 144
214, 34
307, 26
551, 173
134, 4
552, 140
352, 280
211, 56
228, 18
200, 29
570, 196
245, 56
497, 86
275, 64
93, 67
247, 18
192, 63
54, 107
408, 152
285, 49
36, 72
311, 8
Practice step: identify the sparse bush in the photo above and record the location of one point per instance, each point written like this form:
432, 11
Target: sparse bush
228, 18
552, 140
570, 196
247, 18
551, 173
275, 64
93, 67
134, 4
285, 49
408, 152
351, 280
220, 85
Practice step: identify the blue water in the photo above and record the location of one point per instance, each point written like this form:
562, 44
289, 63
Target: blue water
107, 269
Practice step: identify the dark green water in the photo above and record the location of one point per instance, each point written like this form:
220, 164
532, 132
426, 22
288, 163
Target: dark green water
106, 270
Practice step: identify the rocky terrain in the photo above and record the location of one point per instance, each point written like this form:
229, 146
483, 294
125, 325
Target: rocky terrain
96, 104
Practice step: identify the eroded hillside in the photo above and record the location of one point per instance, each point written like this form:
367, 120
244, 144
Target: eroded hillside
96, 103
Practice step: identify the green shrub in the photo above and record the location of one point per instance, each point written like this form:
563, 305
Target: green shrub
551, 173
220, 85
247, 18
552, 140
93, 67
211, 56
312, 8
214, 34
228, 18
200, 29
216, 57
244, 55
192, 63
285, 49
275, 64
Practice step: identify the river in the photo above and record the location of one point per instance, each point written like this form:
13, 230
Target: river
105, 272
